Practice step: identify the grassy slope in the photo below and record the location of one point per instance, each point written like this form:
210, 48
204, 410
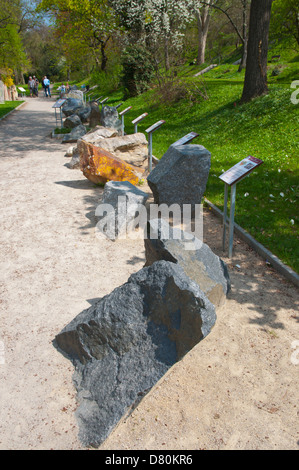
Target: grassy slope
8, 106
267, 128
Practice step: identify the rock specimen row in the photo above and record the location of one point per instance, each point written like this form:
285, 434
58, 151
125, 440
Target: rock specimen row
126, 342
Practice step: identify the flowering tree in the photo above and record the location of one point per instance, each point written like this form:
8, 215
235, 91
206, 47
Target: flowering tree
156, 22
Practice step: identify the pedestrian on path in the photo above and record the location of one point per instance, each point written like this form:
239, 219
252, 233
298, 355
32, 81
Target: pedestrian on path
47, 87
62, 91
31, 84
35, 89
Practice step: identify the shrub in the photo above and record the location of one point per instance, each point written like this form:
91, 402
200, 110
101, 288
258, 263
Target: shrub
138, 70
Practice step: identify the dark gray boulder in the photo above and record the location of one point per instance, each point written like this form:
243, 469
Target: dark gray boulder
84, 113
94, 115
75, 134
125, 343
195, 257
181, 175
72, 121
126, 200
71, 106
110, 117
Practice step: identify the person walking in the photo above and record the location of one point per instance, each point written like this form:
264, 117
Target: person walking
62, 91
43, 85
36, 83
31, 84
47, 87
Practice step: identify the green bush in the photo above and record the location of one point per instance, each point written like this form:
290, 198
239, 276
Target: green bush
138, 70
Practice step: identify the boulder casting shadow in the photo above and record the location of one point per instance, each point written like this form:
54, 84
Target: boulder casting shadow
122, 345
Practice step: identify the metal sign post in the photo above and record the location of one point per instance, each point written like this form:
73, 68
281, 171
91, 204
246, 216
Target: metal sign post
186, 139
104, 101
150, 131
137, 120
122, 114
58, 105
231, 177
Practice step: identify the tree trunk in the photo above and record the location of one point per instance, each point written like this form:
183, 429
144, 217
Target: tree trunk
203, 21
255, 83
245, 37
166, 53
244, 56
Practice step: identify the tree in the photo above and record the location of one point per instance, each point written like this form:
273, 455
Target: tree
241, 32
160, 24
11, 48
255, 83
84, 24
202, 12
285, 19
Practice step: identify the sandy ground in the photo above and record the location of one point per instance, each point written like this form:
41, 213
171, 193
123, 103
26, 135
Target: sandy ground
237, 389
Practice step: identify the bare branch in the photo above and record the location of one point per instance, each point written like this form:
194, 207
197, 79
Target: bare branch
212, 5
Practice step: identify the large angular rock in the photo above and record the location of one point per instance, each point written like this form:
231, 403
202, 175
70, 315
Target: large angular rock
127, 341
96, 135
75, 134
95, 114
195, 257
76, 94
72, 121
181, 175
110, 117
71, 106
125, 201
132, 148
84, 113
100, 166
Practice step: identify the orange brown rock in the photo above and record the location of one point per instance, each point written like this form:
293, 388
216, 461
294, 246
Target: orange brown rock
99, 165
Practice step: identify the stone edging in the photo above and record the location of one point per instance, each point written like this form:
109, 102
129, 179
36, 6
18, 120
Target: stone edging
286, 271
13, 110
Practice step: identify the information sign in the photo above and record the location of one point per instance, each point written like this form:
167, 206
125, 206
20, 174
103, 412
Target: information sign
125, 111
230, 178
59, 103
104, 101
122, 115
154, 127
150, 131
186, 139
139, 118
240, 170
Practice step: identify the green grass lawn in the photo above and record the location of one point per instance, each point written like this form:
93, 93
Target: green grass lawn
8, 106
266, 128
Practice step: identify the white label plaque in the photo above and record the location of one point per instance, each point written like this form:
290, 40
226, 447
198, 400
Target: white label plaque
154, 127
139, 118
125, 111
58, 103
187, 138
240, 170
